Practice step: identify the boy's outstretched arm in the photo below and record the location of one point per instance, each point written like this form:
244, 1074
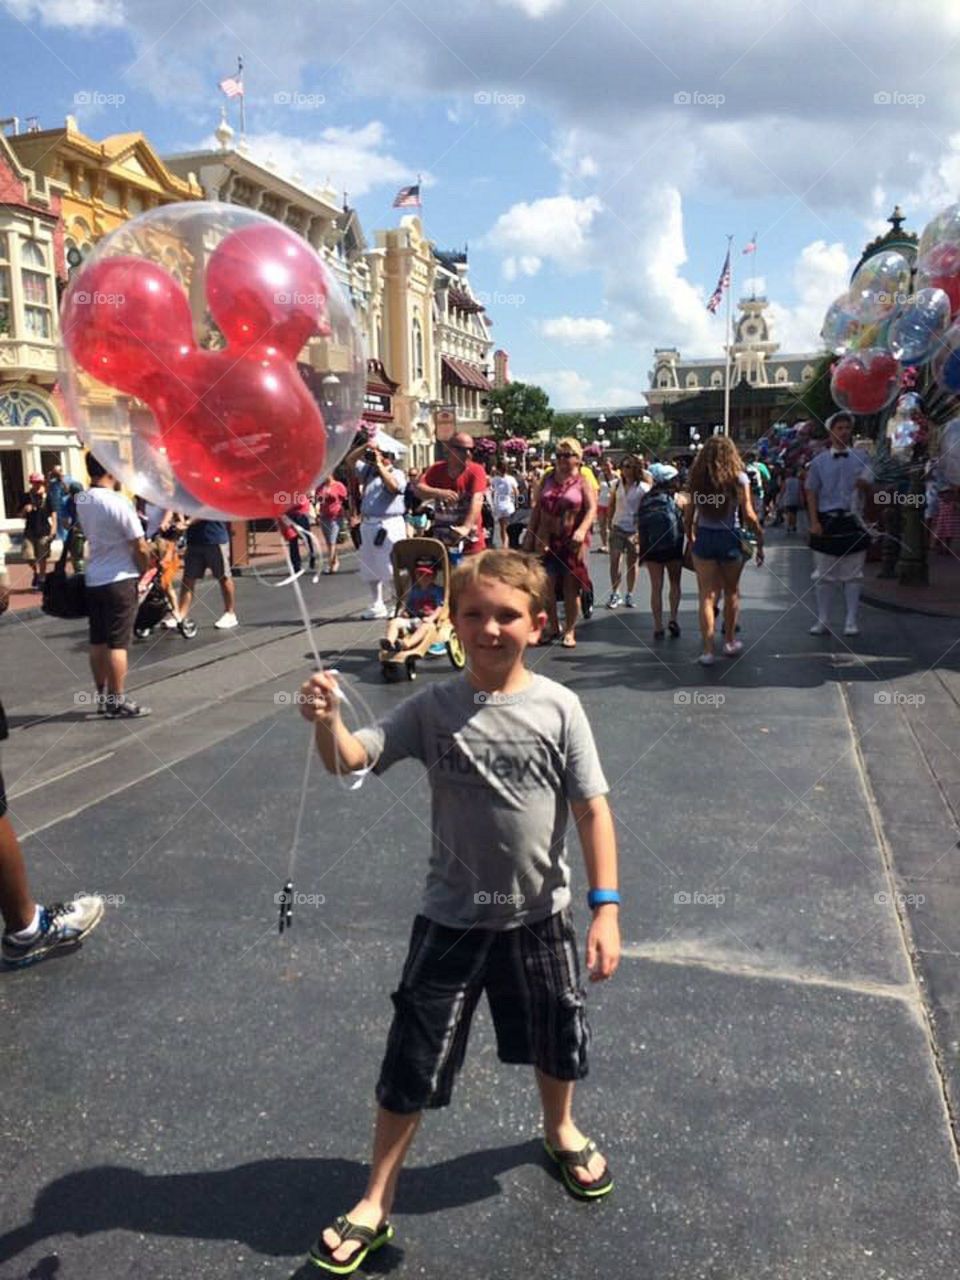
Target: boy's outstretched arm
339, 750
599, 844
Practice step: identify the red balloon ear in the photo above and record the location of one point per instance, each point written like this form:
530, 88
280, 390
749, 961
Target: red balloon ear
264, 286
126, 321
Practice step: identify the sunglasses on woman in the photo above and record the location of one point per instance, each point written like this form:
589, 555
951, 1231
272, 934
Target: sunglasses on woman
569, 455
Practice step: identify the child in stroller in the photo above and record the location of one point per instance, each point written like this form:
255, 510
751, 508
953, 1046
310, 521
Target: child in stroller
156, 589
416, 619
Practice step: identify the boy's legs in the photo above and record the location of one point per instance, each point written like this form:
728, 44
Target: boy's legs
392, 1137
556, 1097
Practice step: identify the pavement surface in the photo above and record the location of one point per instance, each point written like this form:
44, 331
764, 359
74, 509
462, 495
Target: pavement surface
775, 1068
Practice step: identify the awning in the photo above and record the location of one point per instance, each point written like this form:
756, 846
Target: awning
465, 375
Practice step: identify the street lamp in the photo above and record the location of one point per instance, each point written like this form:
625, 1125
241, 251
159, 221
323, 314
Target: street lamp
496, 418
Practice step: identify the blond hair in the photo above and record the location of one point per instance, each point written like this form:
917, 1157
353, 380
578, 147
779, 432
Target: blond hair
513, 568
572, 444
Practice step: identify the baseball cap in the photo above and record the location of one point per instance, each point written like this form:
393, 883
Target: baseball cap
36, 477
662, 472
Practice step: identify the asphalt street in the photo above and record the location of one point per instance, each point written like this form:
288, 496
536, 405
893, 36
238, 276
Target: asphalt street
775, 1072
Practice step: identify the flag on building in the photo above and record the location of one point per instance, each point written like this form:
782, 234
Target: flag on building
752, 246
723, 283
407, 198
232, 86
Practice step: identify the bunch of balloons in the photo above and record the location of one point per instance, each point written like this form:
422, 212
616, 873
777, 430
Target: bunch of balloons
881, 326
211, 361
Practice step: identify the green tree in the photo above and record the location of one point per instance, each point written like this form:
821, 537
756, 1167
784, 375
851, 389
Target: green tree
815, 399
526, 409
644, 435
563, 424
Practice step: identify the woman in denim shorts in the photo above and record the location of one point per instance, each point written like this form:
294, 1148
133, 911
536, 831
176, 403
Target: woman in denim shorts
719, 499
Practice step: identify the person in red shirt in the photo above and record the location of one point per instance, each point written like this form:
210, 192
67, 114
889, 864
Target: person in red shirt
331, 497
457, 486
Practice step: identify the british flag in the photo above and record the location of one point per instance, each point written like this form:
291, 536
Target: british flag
723, 283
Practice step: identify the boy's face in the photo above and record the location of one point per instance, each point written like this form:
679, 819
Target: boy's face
495, 624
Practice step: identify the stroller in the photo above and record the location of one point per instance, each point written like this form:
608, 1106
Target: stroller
439, 635
156, 594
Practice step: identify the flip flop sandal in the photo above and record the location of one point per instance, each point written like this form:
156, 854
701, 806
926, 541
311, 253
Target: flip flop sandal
321, 1254
568, 1160
568, 642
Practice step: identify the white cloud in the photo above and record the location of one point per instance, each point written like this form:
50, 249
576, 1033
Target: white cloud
353, 160
79, 14
566, 388
577, 329
820, 274
556, 227
533, 8
525, 265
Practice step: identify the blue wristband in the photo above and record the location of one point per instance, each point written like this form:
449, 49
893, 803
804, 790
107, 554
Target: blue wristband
598, 897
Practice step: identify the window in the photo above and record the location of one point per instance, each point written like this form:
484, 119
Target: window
417, 349
36, 289
807, 373
692, 380
5, 310
663, 380
113, 194
11, 472
716, 378
134, 203
782, 375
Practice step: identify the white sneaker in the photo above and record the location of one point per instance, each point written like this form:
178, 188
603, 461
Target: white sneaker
375, 611
613, 600
170, 623
851, 629
226, 622
819, 629
707, 659
628, 601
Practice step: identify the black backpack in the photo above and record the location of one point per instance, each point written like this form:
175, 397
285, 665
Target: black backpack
659, 523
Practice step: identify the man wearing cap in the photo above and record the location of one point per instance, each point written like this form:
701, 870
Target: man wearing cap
457, 486
381, 485
836, 479
38, 521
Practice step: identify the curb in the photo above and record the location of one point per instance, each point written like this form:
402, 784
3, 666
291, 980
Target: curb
891, 606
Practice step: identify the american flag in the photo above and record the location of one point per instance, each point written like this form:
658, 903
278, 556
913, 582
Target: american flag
232, 86
751, 247
407, 198
723, 283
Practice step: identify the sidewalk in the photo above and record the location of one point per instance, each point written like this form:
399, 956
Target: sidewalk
940, 597
269, 547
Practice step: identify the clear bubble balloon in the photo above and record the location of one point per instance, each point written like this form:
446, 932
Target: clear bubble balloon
865, 381
942, 229
211, 361
945, 364
939, 268
916, 330
842, 326
880, 284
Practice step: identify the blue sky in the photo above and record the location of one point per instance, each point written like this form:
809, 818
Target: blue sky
593, 156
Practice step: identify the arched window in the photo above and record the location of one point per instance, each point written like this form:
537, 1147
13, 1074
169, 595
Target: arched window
36, 289
417, 349
782, 375
692, 380
807, 373
663, 380
716, 378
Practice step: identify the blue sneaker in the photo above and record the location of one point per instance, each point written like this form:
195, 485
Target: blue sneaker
62, 927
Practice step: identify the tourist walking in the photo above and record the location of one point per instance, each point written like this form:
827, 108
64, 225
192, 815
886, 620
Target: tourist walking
504, 496
38, 527
660, 544
559, 530
116, 554
720, 509
605, 483
626, 492
330, 500
838, 480
382, 521
208, 547
791, 498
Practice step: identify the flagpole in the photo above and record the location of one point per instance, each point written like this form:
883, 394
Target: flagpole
243, 95
726, 383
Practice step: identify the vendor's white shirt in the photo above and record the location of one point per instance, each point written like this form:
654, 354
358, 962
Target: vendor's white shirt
110, 524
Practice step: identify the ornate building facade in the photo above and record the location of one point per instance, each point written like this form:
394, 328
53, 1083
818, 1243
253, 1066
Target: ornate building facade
764, 381
463, 346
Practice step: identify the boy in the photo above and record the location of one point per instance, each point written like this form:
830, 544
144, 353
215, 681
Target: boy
423, 600
506, 751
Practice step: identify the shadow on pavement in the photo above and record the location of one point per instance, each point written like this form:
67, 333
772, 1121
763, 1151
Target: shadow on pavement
276, 1207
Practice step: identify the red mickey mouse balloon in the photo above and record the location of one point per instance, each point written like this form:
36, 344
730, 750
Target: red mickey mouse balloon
181, 419
939, 268
123, 319
865, 381
265, 284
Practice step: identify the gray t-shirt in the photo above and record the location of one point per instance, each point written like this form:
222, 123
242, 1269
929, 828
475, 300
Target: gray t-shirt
500, 776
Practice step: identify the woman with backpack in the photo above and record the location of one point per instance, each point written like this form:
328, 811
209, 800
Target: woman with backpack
719, 494
660, 539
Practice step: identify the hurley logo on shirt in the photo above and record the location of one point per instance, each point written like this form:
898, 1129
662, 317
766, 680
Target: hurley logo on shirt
521, 764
